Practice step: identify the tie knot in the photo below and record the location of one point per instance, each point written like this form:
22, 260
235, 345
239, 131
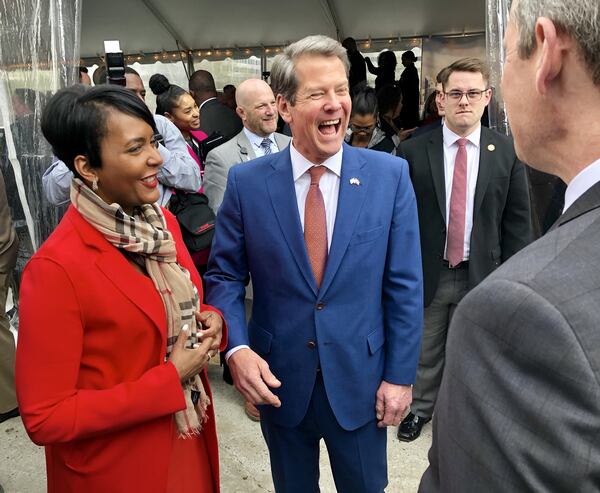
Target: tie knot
462, 142
266, 142
315, 174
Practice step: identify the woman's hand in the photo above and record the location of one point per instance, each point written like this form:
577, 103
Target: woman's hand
188, 362
212, 326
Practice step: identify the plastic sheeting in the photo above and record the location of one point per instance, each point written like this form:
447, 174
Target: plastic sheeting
39, 53
497, 19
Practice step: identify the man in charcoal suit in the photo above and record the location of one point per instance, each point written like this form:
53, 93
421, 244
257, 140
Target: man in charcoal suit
474, 214
519, 407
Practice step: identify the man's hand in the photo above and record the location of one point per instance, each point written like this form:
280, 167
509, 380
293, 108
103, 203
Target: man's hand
211, 325
392, 403
253, 378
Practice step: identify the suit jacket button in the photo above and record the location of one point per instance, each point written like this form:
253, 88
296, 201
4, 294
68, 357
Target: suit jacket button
320, 305
311, 344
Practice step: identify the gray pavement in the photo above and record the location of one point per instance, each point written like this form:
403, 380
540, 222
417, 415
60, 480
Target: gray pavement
244, 456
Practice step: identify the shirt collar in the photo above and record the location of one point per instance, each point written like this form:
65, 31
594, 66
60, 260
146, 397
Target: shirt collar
450, 137
582, 182
255, 140
206, 101
300, 164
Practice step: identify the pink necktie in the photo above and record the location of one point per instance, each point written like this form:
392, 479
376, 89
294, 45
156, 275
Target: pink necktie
315, 224
458, 207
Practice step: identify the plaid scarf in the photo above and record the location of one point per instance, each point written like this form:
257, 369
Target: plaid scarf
146, 240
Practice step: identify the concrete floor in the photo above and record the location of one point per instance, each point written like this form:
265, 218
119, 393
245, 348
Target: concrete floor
244, 457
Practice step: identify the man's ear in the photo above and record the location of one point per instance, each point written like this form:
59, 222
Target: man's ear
83, 168
550, 57
241, 112
283, 107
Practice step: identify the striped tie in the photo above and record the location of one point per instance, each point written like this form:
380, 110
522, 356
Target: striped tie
265, 145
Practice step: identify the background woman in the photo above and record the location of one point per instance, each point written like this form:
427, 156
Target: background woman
107, 377
176, 104
385, 70
364, 124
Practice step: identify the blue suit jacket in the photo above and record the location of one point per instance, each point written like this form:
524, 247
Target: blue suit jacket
365, 319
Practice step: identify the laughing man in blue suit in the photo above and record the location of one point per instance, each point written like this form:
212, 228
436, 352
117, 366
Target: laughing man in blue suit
332, 346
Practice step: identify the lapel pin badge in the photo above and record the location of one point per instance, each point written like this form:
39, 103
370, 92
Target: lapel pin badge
354, 181
491, 148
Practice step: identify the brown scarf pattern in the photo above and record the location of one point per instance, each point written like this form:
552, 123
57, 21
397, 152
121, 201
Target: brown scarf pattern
144, 237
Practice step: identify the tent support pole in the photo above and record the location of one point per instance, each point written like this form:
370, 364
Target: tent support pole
155, 12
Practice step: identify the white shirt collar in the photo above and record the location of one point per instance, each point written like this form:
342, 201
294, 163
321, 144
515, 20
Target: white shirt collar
206, 101
582, 182
450, 137
255, 140
300, 164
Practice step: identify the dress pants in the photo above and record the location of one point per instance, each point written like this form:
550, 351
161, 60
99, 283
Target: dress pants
452, 287
8, 400
358, 458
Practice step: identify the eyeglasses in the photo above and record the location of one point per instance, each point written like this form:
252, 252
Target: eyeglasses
473, 95
358, 128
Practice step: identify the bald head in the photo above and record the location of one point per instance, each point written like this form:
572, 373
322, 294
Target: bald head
256, 107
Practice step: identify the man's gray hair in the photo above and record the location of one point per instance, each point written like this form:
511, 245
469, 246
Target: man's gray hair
578, 18
283, 70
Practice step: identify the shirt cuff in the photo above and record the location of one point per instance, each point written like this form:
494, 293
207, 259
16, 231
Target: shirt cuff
233, 350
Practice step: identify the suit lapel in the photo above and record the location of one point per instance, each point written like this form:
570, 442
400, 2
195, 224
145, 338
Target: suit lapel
487, 162
281, 141
588, 201
435, 152
118, 271
280, 185
350, 202
244, 147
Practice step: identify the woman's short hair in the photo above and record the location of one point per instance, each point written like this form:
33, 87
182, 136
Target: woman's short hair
167, 94
75, 120
364, 102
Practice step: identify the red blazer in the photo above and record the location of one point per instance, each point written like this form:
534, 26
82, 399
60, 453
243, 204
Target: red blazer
91, 379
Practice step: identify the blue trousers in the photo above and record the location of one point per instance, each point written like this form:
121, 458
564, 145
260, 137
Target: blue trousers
358, 458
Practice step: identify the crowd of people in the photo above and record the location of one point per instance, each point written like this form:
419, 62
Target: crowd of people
388, 260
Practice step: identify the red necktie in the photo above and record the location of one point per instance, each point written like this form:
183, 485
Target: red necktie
458, 207
315, 224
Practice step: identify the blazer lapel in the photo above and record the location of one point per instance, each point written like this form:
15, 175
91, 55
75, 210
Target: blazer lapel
487, 162
280, 185
282, 141
244, 147
588, 201
435, 152
117, 270
350, 202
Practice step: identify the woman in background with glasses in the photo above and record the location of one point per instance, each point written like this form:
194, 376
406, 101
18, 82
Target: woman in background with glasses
364, 128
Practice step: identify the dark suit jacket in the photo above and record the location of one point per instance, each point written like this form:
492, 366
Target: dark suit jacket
519, 405
501, 215
215, 117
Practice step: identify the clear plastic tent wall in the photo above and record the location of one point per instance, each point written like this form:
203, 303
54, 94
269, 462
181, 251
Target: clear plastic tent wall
497, 19
39, 54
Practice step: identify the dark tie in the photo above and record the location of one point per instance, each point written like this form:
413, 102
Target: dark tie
315, 224
266, 146
458, 207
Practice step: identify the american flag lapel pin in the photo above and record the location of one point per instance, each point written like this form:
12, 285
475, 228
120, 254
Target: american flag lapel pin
354, 181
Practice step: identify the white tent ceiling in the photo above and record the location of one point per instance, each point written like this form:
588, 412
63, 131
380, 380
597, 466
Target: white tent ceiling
153, 25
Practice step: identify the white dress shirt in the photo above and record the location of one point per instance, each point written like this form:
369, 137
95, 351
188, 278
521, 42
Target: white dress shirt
582, 182
256, 142
473, 152
329, 185
330, 189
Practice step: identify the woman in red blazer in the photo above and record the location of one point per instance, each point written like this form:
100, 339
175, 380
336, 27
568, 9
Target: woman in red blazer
106, 379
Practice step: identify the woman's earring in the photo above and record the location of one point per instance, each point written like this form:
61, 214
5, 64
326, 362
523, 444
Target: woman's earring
95, 184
